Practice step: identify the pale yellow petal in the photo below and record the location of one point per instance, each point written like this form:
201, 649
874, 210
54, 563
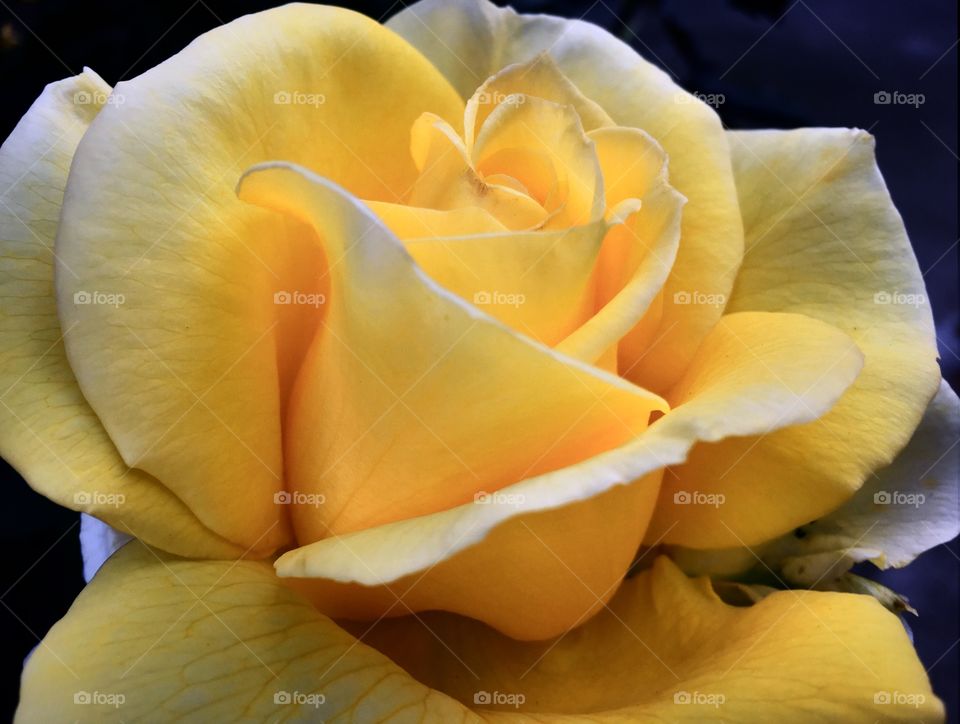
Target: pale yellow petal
902, 510
805, 366
416, 222
540, 283
824, 240
637, 256
523, 124
539, 77
444, 560
158, 638
667, 649
471, 40
189, 375
47, 430
448, 179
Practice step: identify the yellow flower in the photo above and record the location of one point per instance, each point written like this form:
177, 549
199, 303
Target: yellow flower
448, 320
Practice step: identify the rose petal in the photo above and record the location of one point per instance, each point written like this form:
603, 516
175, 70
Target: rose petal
156, 637
484, 405
448, 179
668, 649
539, 77
470, 40
190, 374
636, 257
47, 430
524, 124
824, 240
902, 510
801, 366
512, 560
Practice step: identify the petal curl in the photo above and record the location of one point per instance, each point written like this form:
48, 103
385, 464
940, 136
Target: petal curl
47, 430
471, 40
668, 649
540, 78
636, 257
797, 383
189, 375
902, 510
469, 559
484, 404
159, 638
825, 240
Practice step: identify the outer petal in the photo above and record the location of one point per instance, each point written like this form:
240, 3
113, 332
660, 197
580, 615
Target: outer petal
157, 638
470, 40
189, 375
824, 240
526, 559
47, 429
668, 649
699, 503
908, 507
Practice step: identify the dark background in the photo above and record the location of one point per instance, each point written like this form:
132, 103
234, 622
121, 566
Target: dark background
778, 64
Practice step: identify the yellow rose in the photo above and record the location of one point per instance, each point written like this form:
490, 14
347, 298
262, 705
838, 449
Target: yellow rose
448, 319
